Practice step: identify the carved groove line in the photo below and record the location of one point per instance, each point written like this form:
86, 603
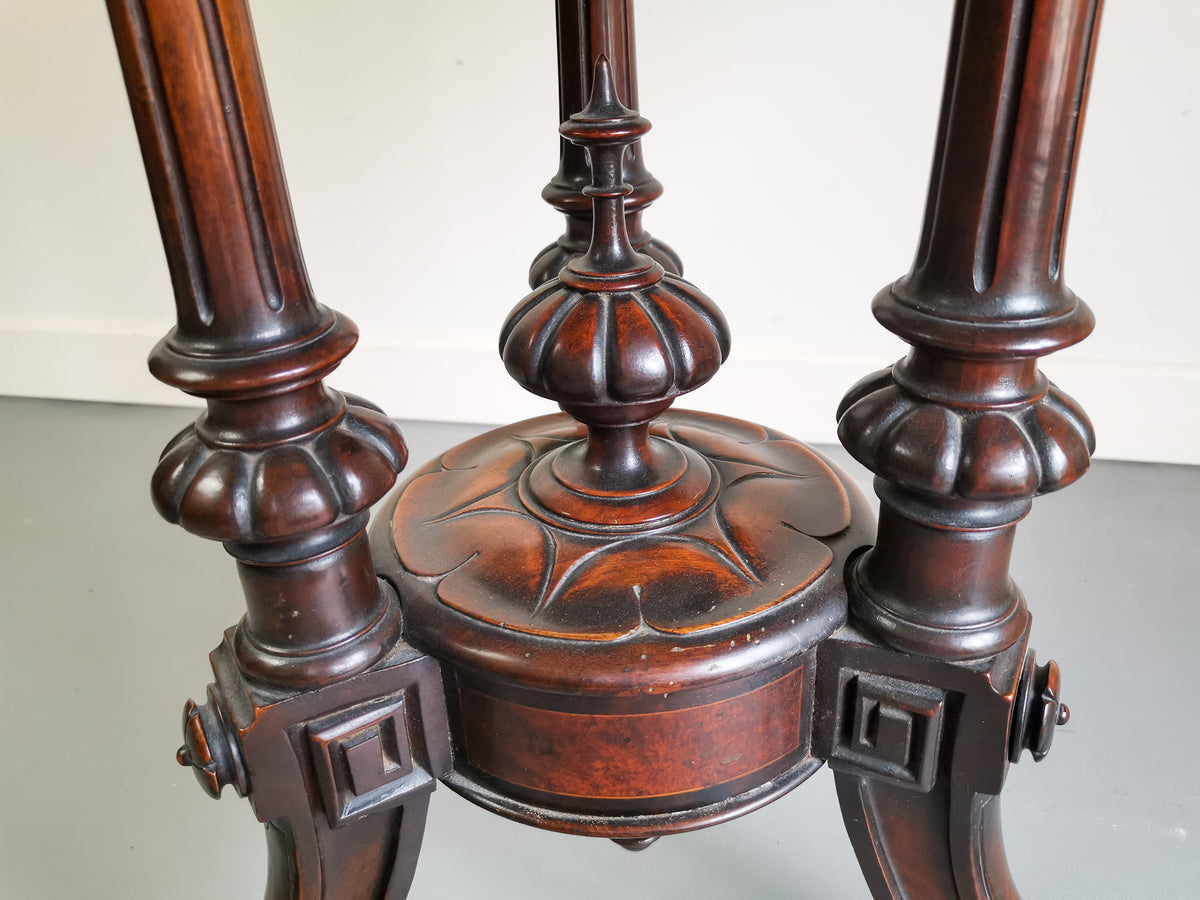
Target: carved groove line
743, 558
999, 159
925, 246
630, 86
705, 315
521, 310
461, 509
175, 183
585, 64
1083, 76
664, 339
871, 815
547, 335
606, 355
239, 145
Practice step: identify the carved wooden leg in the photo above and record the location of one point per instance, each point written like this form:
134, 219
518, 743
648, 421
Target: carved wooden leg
929, 694
920, 748
341, 775
320, 713
587, 30
925, 821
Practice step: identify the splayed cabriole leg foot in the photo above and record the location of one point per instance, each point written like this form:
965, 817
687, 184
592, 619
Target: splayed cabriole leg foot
341, 775
935, 845
920, 749
373, 859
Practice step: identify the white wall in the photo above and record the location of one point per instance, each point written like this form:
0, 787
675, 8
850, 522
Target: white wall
417, 136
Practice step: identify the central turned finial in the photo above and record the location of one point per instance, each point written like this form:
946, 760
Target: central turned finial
614, 339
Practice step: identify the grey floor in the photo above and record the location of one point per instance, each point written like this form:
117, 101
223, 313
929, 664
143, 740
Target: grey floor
108, 615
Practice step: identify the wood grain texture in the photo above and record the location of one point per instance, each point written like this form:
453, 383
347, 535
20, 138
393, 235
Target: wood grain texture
608, 595
635, 757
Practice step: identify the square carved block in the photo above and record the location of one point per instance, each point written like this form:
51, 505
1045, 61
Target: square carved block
364, 759
888, 728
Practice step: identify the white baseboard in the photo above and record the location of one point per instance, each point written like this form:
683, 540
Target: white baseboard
1142, 410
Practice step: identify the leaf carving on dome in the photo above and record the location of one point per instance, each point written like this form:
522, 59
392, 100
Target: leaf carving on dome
461, 521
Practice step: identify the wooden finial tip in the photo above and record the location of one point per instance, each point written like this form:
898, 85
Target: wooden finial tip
605, 119
604, 102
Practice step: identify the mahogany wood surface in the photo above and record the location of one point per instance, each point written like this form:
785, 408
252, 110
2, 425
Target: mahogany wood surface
625, 620
962, 434
640, 585
320, 714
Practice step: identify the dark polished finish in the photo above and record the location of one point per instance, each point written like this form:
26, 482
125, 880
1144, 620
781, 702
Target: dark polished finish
626, 607
965, 430
332, 726
625, 620
587, 30
962, 434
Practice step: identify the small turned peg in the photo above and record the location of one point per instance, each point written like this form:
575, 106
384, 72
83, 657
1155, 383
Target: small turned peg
614, 339
1037, 710
210, 747
635, 844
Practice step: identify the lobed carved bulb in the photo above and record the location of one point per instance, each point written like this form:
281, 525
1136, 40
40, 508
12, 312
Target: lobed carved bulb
978, 454
600, 349
235, 493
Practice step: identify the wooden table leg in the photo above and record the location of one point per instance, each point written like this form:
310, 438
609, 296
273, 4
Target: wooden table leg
320, 713
931, 693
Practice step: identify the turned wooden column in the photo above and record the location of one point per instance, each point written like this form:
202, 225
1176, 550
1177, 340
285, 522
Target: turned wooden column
965, 431
263, 469
587, 30
962, 434
319, 712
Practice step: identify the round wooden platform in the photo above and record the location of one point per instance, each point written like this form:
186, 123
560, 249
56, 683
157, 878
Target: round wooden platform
616, 679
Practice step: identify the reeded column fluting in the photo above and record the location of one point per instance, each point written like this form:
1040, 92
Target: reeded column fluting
279, 468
